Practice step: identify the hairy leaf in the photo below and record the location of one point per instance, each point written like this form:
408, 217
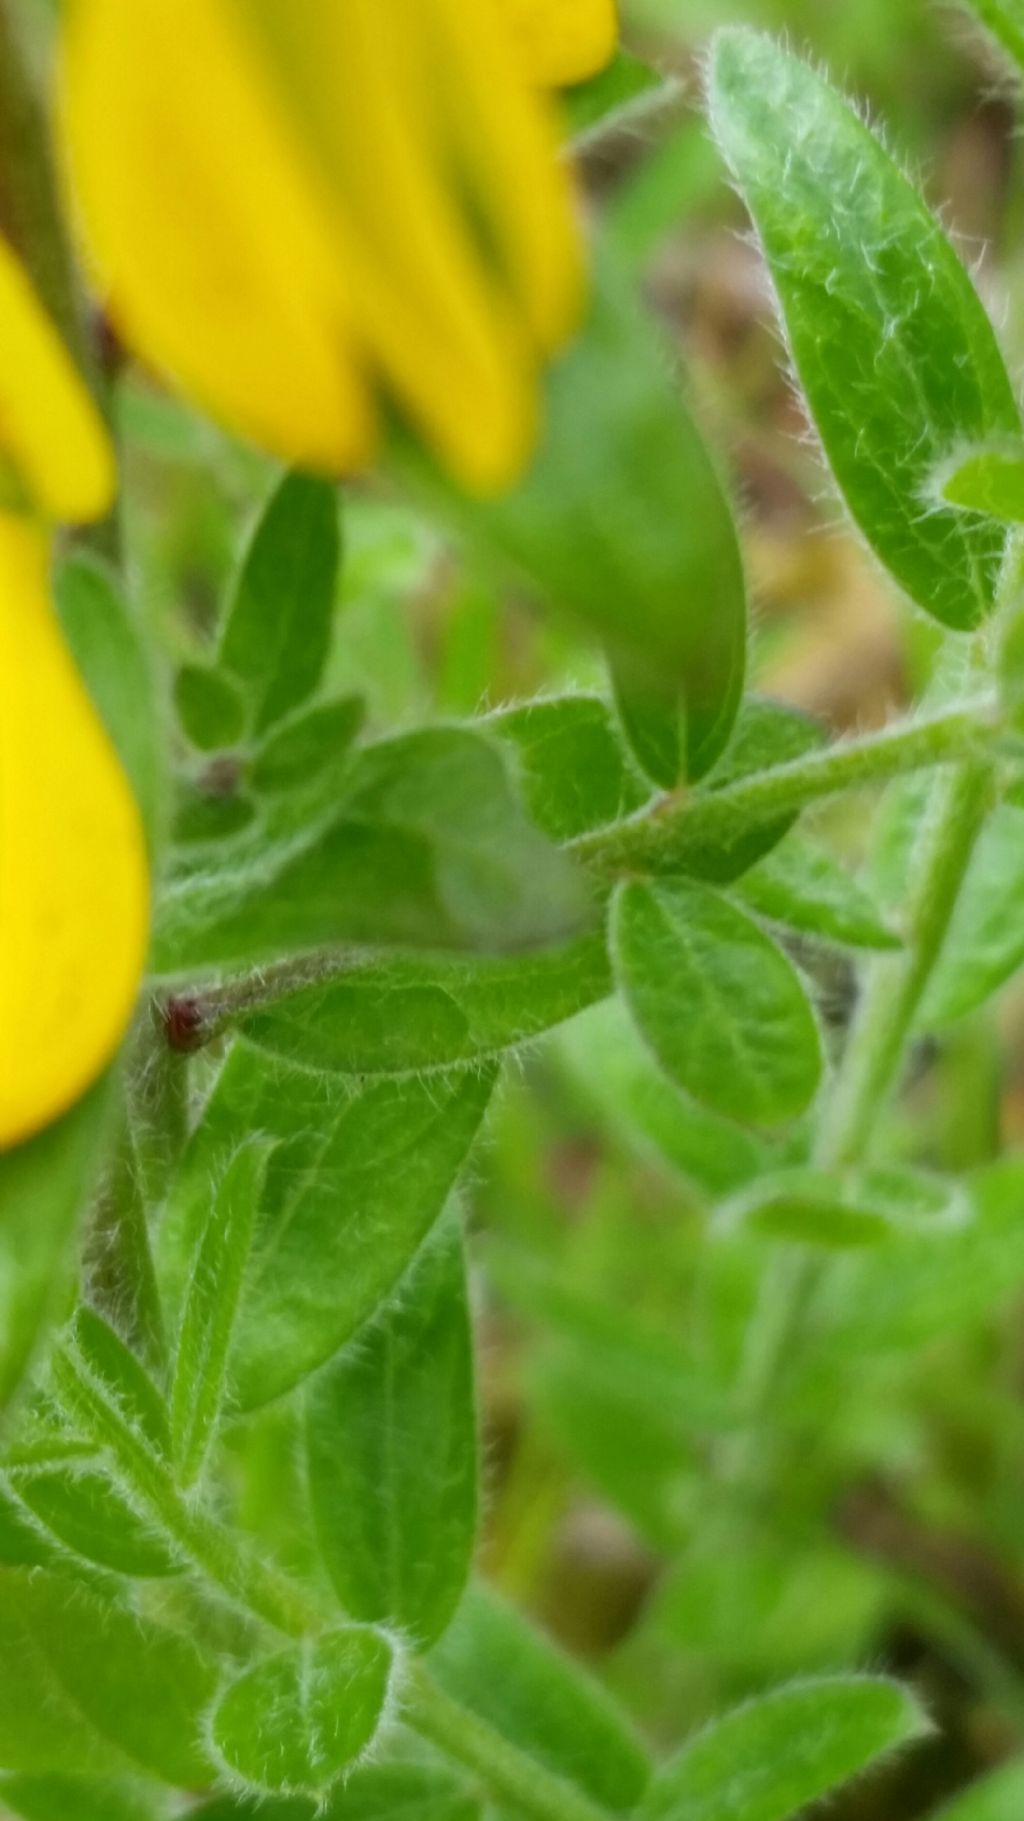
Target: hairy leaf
98, 1691
358, 1177
504, 1670
428, 847
295, 1721
276, 634
719, 1004
393, 1016
893, 350
392, 1454
769, 1759
211, 1305
801, 886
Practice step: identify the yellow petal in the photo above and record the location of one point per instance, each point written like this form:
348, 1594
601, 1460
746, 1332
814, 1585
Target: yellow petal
432, 315
205, 234
74, 896
505, 143
563, 41
49, 427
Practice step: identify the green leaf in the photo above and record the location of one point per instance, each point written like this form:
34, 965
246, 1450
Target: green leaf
371, 1792
80, 1799
358, 1177
402, 1015
295, 1721
392, 1452
893, 349
79, 1503
211, 1306
931, 1283
622, 520
650, 715
839, 1210
802, 887
427, 847
211, 708
315, 742
110, 652
770, 1759
571, 767
504, 1670
277, 631
719, 1004
766, 733
23, 1544
99, 1690
620, 98
989, 481
1001, 1794
984, 945
122, 1375
607, 1054
44, 1185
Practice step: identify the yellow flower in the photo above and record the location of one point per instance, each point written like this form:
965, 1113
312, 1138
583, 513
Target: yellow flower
73, 878
298, 207
564, 41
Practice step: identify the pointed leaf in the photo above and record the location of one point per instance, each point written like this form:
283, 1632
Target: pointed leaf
989, 481
211, 1307
392, 1452
358, 1177
275, 637
896, 357
768, 1760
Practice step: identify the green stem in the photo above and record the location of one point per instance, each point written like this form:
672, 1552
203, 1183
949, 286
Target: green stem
894, 986
677, 828
194, 1017
663, 839
502, 1768
277, 1601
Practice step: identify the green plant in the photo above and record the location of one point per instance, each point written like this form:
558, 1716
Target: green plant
239, 1499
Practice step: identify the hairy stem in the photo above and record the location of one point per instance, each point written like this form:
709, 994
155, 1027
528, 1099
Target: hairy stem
273, 1598
501, 1767
894, 986
662, 839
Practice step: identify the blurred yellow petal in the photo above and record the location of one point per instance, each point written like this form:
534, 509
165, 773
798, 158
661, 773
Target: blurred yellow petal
510, 156
433, 316
563, 41
206, 237
293, 207
50, 429
73, 877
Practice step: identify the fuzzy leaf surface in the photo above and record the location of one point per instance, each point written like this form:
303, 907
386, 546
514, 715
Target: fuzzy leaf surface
896, 357
392, 1452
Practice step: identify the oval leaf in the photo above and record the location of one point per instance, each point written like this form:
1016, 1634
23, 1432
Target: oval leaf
296, 1721
719, 1004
